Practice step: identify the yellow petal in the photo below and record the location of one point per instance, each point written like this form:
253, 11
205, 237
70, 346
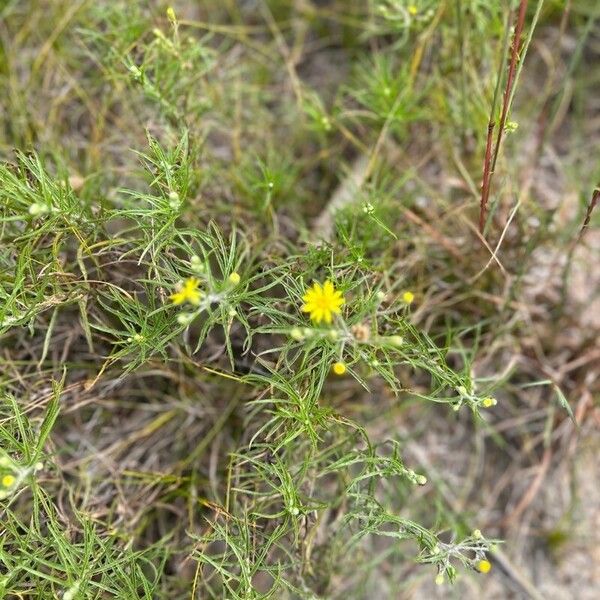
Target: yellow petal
177, 298
317, 315
194, 298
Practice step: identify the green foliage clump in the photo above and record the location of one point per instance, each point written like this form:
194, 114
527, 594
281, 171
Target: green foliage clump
176, 419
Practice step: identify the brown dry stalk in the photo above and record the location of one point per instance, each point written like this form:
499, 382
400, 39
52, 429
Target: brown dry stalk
490, 161
588, 212
486, 176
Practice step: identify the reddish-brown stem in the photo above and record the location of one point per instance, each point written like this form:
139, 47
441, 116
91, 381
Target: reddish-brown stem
490, 163
510, 80
486, 175
588, 213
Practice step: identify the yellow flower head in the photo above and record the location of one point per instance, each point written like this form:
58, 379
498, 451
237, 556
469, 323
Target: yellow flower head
189, 292
8, 481
234, 278
322, 302
339, 368
484, 566
408, 297
489, 402
412, 9
171, 14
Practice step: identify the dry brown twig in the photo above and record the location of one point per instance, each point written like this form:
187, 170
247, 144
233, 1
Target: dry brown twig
491, 157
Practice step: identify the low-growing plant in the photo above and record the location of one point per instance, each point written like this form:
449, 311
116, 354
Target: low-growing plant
240, 286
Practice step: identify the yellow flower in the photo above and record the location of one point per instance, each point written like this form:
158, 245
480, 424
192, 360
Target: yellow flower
8, 481
489, 402
484, 566
408, 297
322, 302
189, 292
413, 10
339, 368
234, 278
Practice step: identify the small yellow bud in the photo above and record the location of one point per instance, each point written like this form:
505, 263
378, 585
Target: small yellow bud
489, 402
296, 334
421, 479
439, 580
339, 368
234, 278
477, 534
484, 566
171, 15
8, 481
396, 340
408, 297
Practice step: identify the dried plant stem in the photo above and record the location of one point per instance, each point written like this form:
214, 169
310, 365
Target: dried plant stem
490, 159
588, 213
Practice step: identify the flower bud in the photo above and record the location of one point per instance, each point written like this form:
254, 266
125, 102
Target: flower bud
339, 368
489, 402
184, 318
396, 340
171, 15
